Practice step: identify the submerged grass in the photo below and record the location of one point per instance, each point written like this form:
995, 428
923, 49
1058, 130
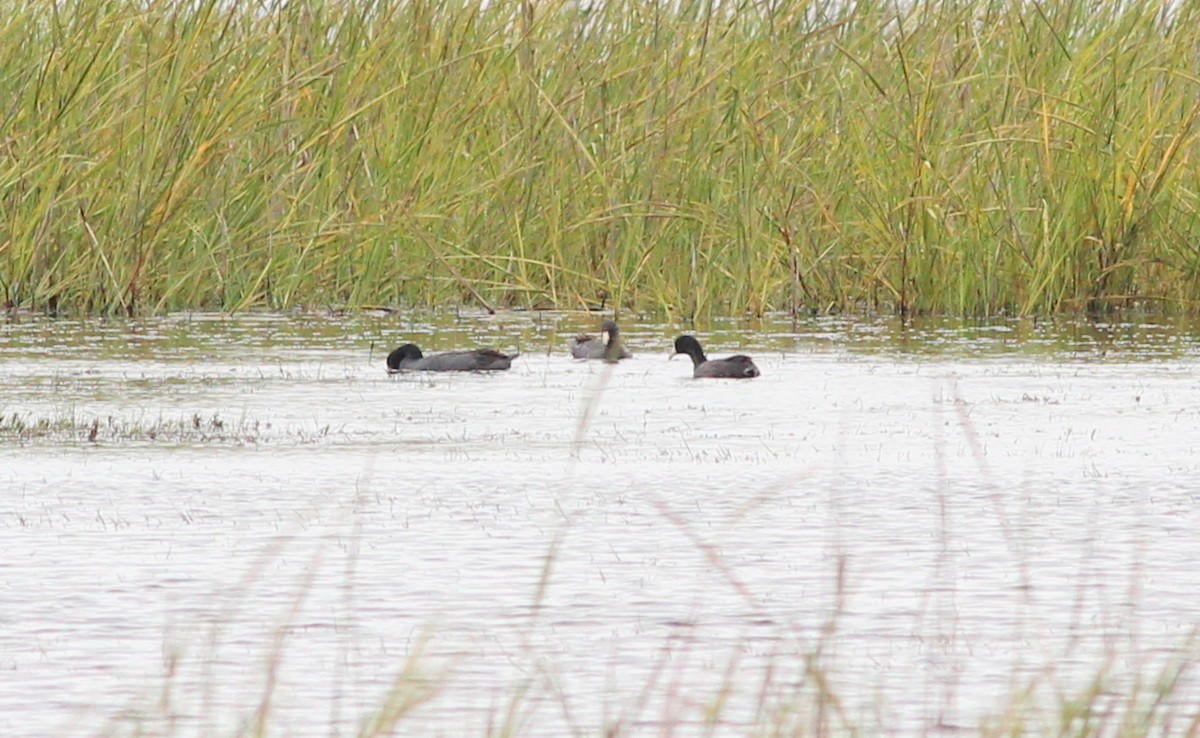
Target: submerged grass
69, 426
955, 156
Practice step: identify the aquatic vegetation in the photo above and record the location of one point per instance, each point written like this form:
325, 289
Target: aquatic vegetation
693, 158
69, 426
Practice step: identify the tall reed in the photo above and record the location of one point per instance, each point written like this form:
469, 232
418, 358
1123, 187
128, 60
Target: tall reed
699, 156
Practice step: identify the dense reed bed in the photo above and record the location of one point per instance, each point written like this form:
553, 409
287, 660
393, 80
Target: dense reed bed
700, 156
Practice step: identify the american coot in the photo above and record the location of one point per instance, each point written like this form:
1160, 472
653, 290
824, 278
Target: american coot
607, 346
409, 358
734, 367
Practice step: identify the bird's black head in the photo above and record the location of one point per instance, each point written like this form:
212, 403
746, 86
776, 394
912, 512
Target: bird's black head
407, 352
690, 346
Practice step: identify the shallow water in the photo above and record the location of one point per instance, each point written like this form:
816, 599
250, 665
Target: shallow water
194, 508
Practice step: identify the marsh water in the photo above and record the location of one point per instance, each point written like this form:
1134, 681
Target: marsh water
209, 525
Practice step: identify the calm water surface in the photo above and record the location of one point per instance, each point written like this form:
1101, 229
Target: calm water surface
208, 521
